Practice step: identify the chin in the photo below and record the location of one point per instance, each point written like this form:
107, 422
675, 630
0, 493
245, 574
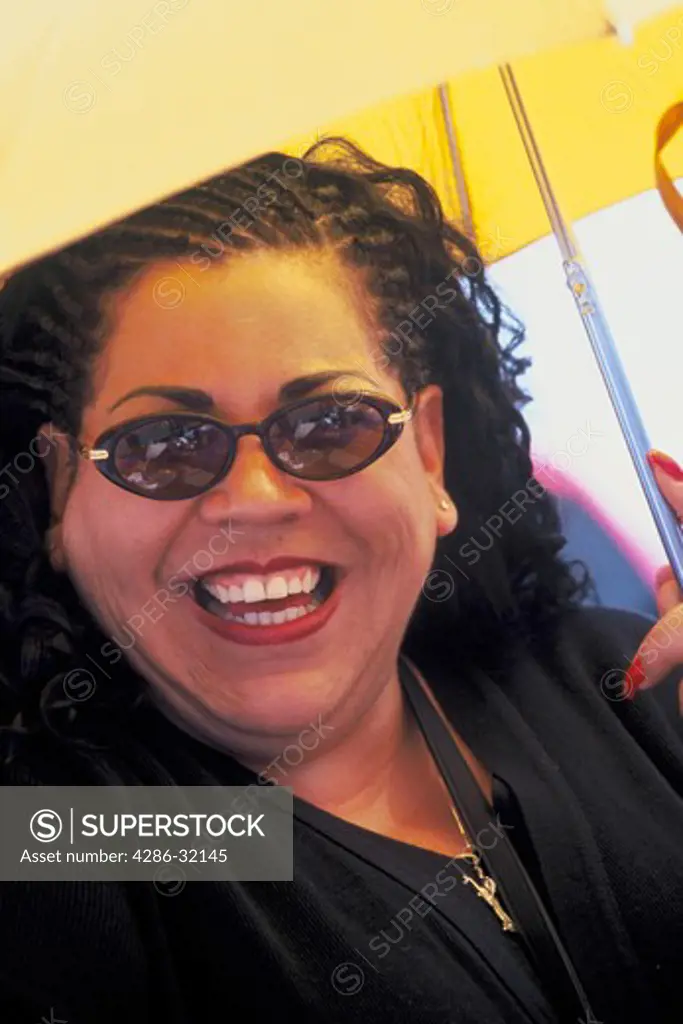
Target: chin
268, 703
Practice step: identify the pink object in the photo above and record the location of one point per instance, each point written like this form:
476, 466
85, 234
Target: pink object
563, 486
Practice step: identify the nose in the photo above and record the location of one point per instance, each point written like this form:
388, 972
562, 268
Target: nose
255, 491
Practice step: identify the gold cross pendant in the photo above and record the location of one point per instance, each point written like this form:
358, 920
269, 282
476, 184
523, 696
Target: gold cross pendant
487, 890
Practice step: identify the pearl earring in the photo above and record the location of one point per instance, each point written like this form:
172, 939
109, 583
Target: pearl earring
444, 504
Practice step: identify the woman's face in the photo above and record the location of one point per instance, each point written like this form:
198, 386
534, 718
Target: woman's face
242, 332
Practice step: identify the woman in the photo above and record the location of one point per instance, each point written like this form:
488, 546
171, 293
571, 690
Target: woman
326, 304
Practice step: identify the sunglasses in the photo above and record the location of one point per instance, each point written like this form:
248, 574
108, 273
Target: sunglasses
170, 457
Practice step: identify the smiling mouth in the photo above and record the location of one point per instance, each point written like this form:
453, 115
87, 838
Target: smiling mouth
275, 601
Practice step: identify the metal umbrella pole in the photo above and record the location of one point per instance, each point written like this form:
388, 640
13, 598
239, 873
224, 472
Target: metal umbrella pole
455, 152
592, 316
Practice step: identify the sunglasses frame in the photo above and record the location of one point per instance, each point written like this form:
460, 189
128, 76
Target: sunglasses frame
394, 415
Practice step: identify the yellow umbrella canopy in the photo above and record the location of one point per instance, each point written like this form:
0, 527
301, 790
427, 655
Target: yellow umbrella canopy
107, 107
594, 108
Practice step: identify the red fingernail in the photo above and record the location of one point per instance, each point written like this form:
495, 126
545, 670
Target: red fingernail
665, 463
635, 675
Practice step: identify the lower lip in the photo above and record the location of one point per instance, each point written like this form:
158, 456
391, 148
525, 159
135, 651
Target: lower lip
285, 633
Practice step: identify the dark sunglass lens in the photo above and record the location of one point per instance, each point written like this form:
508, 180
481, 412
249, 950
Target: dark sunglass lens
169, 458
327, 438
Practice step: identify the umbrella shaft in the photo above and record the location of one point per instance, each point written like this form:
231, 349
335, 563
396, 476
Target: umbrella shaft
621, 396
561, 227
599, 334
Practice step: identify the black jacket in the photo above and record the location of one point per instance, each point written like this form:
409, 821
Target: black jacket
599, 782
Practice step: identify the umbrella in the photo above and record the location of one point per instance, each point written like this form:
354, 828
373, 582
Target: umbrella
594, 109
108, 107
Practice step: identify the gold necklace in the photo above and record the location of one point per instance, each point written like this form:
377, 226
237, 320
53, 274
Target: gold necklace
484, 886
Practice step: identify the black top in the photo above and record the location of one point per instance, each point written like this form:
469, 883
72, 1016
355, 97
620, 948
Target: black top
444, 905
592, 786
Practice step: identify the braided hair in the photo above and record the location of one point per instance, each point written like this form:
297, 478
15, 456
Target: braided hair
387, 222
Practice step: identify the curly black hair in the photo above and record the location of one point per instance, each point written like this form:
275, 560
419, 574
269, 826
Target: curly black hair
385, 220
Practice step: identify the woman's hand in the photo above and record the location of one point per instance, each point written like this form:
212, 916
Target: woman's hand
662, 648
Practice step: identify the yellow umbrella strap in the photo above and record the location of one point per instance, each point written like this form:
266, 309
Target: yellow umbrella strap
669, 124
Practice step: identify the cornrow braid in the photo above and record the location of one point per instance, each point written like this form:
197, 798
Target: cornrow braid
386, 223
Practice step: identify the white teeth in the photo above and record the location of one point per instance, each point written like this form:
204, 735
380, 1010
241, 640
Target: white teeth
271, 588
276, 587
254, 591
310, 580
226, 595
272, 618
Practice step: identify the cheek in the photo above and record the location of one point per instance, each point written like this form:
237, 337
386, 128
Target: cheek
390, 508
113, 541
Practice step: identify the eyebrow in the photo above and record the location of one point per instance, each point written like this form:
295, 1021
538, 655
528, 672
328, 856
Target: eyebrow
201, 401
